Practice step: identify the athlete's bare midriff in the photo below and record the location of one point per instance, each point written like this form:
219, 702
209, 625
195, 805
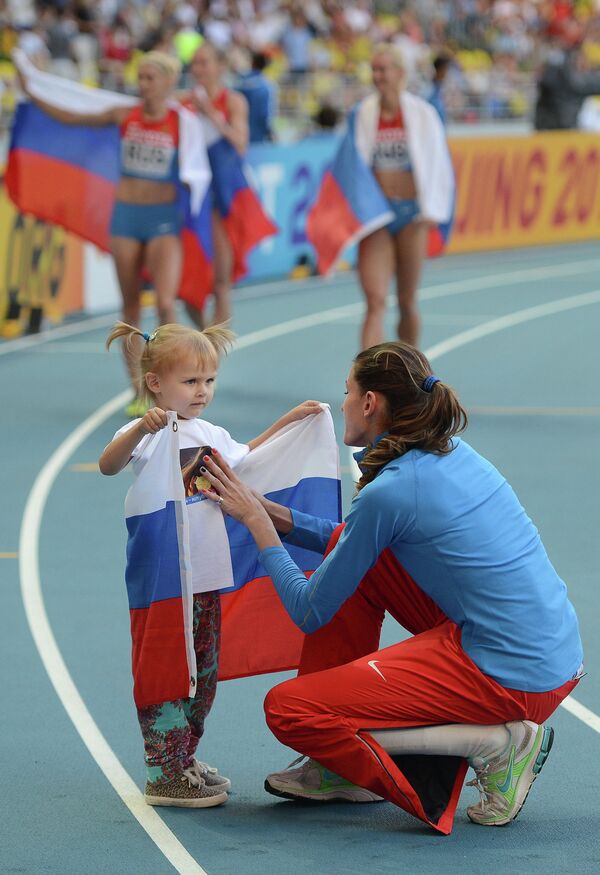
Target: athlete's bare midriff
396, 184
145, 191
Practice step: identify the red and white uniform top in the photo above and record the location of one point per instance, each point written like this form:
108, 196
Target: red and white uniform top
390, 151
150, 149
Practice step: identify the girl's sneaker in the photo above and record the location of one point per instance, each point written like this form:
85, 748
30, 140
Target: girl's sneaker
211, 776
185, 791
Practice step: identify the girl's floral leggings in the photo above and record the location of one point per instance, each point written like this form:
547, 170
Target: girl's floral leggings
172, 730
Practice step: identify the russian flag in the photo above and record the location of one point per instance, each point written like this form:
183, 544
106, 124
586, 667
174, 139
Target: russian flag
67, 174
439, 235
299, 468
177, 546
245, 221
159, 577
349, 205
62, 174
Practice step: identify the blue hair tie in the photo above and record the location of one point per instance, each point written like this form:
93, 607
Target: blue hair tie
146, 336
429, 382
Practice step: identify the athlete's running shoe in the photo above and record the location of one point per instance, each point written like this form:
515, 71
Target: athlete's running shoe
312, 781
505, 782
136, 408
211, 776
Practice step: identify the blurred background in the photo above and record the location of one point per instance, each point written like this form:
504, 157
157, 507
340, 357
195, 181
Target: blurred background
498, 71
316, 53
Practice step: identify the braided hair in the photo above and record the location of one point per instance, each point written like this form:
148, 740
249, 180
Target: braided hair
423, 413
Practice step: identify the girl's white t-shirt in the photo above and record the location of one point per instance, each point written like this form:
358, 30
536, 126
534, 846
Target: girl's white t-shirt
194, 434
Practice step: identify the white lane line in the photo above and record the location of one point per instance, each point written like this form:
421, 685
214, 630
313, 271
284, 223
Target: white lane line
582, 713
457, 287
72, 348
33, 340
550, 308
54, 664
452, 343
40, 627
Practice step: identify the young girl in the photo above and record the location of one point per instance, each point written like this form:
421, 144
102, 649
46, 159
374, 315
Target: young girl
178, 368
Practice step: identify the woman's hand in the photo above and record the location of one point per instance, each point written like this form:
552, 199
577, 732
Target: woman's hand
153, 420
202, 103
235, 498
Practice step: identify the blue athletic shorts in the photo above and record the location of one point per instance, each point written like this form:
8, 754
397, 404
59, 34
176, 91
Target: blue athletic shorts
405, 212
143, 222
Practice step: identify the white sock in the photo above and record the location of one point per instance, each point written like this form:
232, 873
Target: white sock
478, 744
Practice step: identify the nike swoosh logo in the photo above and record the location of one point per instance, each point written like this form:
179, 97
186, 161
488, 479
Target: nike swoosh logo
372, 664
505, 785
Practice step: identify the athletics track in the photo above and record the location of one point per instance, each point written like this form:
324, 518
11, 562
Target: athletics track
517, 334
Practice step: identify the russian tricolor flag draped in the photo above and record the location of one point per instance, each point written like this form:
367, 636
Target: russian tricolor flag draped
245, 221
67, 175
174, 546
350, 204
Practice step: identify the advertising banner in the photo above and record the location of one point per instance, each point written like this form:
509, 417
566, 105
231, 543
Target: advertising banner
41, 269
525, 191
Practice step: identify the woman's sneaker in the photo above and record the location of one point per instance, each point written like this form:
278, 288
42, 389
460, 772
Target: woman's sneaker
211, 776
185, 791
314, 782
504, 783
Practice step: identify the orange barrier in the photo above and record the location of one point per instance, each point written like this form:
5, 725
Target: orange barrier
523, 191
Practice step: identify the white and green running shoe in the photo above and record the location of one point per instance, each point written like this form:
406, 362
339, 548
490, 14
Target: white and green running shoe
504, 783
136, 408
314, 782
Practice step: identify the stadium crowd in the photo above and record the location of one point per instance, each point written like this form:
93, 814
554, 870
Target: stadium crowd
313, 54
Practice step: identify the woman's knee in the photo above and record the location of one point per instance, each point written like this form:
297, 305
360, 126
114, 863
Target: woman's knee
375, 301
276, 709
285, 709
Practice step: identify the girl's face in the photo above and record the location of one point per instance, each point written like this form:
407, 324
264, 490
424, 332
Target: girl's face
187, 388
387, 76
153, 83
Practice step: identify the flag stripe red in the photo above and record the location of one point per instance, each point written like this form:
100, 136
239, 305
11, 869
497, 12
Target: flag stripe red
257, 634
330, 223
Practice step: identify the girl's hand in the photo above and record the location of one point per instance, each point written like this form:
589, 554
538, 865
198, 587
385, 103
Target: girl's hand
153, 421
307, 408
235, 497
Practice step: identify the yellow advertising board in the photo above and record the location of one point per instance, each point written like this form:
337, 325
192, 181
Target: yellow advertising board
524, 191
41, 269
